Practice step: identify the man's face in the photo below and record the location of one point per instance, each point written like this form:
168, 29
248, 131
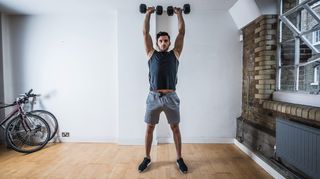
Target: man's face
163, 43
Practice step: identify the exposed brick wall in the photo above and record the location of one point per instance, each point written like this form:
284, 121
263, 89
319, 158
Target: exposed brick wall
259, 67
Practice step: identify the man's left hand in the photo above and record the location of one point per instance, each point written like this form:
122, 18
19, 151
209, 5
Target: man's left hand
177, 10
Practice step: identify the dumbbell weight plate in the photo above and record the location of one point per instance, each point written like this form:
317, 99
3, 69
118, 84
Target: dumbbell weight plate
159, 10
170, 10
186, 8
143, 8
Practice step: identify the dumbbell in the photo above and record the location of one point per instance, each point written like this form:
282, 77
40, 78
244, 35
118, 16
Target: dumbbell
143, 9
186, 9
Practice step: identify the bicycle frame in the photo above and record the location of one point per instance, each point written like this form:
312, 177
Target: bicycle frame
17, 110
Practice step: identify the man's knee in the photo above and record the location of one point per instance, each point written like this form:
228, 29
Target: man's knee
150, 128
175, 128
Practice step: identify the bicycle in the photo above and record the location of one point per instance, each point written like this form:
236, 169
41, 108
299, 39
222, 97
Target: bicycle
46, 115
24, 132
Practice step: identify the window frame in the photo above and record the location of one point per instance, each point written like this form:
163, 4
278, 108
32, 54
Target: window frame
297, 63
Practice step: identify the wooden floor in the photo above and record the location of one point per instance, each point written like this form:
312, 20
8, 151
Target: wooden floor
98, 160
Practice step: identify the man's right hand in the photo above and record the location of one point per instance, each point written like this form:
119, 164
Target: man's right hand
150, 10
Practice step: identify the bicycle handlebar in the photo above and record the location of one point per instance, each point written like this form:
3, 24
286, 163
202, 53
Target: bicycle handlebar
30, 91
25, 97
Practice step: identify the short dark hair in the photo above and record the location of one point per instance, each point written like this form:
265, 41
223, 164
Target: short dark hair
162, 34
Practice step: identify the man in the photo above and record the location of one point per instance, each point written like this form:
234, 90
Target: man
163, 68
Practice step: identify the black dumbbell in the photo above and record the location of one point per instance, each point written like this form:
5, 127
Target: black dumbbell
186, 9
143, 9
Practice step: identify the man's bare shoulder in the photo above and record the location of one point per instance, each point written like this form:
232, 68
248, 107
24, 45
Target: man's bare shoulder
176, 53
150, 53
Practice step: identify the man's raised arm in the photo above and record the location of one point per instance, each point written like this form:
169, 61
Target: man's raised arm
178, 45
146, 27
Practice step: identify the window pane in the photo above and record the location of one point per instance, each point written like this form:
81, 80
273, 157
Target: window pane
287, 78
289, 4
309, 77
287, 53
294, 18
305, 52
308, 23
287, 35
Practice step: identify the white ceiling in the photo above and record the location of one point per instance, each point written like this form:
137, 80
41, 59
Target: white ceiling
100, 6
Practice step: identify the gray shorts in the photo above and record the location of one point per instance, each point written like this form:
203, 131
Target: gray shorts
168, 103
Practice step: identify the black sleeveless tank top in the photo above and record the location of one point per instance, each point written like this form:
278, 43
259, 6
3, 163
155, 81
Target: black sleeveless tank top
163, 69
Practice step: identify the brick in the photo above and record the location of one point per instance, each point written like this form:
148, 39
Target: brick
268, 37
259, 49
268, 21
279, 108
267, 42
258, 29
262, 48
288, 109
266, 53
312, 114
275, 105
264, 104
283, 108
271, 42
265, 32
318, 115
299, 111
262, 77
270, 105
257, 40
267, 72
262, 67
261, 96
265, 82
271, 32
266, 91
267, 87
293, 110
258, 59
269, 62
305, 112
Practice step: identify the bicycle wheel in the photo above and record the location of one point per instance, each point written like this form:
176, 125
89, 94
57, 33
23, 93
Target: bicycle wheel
28, 135
50, 119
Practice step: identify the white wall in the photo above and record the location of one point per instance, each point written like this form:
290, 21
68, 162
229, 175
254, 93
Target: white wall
72, 59
210, 77
96, 71
133, 76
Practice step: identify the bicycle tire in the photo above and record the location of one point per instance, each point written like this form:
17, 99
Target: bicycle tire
50, 119
15, 133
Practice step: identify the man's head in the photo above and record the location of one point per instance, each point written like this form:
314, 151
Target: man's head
163, 41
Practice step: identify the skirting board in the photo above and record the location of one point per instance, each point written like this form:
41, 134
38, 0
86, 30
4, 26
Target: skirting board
88, 139
260, 162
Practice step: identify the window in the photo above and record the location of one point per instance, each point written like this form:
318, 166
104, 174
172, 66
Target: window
299, 47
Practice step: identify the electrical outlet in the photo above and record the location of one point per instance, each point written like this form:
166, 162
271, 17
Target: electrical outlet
65, 134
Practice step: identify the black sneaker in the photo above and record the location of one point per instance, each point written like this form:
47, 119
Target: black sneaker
144, 165
182, 166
